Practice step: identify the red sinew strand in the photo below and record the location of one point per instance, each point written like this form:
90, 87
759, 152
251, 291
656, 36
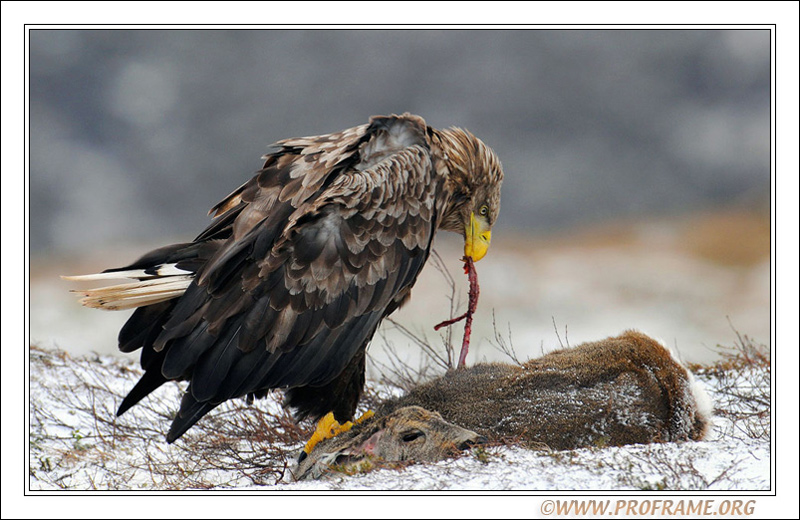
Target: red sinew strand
474, 292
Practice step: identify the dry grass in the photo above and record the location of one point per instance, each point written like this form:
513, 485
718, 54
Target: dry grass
743, 390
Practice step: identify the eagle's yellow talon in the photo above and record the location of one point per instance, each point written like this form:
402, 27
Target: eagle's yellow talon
328, 427
325, 428
366, 415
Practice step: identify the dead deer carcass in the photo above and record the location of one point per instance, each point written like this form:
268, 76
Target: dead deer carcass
621, 390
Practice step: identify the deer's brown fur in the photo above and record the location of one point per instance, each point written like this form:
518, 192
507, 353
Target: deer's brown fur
621, 390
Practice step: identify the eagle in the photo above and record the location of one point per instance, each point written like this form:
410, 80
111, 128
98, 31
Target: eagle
287, 285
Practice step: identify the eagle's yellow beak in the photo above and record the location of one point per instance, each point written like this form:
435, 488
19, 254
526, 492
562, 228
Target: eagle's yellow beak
478, 238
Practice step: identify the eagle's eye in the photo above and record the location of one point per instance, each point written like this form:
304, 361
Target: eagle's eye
484, 210
413, 435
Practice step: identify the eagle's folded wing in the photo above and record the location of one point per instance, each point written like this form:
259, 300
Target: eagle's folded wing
307, 268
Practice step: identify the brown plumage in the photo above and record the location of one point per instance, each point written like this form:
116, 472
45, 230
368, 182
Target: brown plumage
287, 285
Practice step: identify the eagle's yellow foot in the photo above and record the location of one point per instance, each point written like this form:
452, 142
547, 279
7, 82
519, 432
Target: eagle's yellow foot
328, 427
366, 415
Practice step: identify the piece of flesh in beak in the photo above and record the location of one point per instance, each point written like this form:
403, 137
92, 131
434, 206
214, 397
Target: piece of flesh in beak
478, 237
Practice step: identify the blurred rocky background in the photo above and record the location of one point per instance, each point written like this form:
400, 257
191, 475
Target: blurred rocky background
637, 165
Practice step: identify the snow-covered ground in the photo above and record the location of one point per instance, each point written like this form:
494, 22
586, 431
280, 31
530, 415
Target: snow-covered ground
76, 443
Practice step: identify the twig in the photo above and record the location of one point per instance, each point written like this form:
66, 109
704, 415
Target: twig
555, 328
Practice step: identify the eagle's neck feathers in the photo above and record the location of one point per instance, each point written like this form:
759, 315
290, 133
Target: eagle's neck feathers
463, 160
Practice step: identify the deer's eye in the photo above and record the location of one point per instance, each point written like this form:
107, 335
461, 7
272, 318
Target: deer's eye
410, 436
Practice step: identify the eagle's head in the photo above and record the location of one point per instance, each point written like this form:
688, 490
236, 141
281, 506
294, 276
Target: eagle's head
474, 177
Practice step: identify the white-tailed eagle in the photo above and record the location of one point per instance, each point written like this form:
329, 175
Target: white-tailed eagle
287, 285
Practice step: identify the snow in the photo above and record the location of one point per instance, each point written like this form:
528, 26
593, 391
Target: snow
77, 443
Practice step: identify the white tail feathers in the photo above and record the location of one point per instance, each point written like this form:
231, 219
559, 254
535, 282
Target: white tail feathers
136, 274
163, 283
